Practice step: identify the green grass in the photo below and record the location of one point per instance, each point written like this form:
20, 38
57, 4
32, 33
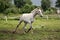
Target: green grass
42, 30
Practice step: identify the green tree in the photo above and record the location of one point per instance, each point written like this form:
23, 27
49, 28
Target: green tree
4, 4
58, 3
45, 4
28, 2
27, 8
19, 3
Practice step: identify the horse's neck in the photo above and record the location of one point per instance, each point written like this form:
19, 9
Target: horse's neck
34, 14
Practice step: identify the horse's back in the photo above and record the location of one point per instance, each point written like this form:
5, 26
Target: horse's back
26, 17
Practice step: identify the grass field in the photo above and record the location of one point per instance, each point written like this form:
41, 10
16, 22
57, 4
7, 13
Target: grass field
42, 30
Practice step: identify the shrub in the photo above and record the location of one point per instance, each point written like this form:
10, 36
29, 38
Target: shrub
11, 10
50, 11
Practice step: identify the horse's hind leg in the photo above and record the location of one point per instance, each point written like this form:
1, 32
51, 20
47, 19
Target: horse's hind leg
17, 26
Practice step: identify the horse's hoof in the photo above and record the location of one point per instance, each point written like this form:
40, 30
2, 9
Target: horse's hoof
25, 31
13, 32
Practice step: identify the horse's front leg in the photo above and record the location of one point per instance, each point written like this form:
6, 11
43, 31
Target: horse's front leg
24, 26
17, 27
30, 27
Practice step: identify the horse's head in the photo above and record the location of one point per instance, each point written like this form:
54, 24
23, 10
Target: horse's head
37, 11
40, 12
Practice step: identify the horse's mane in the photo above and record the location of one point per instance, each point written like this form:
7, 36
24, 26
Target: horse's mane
34, 10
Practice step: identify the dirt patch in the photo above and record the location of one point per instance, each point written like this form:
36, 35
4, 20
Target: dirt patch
5, 31
19, 32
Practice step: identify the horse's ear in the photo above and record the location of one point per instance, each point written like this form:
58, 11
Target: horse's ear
37, 7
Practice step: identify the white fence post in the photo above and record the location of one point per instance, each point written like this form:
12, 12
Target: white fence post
6, 18
47, 17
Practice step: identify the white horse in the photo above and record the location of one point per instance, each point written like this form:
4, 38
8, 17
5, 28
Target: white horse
29, 18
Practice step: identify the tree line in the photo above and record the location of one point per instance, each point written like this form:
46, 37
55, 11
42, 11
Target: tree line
24, 6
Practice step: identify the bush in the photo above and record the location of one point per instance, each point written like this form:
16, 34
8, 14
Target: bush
25, 9
11, 10
50, 11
